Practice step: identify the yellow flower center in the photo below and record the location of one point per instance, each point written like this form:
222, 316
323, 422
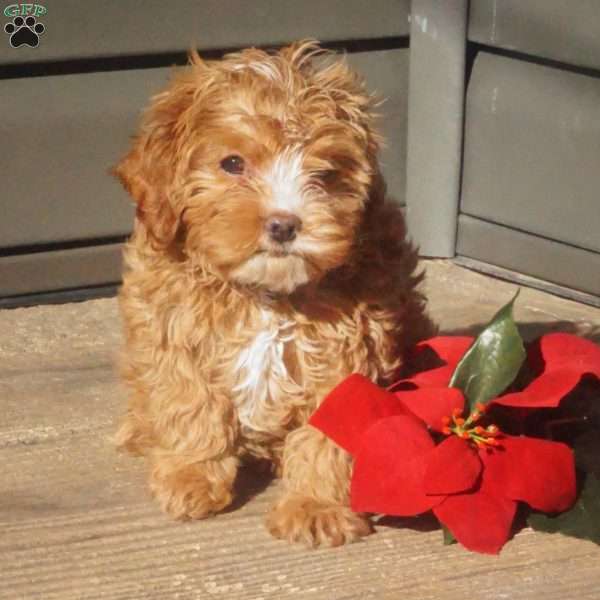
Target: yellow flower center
467, 429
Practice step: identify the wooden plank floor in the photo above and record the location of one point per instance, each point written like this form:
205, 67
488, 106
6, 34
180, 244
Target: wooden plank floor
76, 521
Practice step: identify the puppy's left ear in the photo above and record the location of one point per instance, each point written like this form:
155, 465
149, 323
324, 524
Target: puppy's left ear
149, 170
353, 102
354, 107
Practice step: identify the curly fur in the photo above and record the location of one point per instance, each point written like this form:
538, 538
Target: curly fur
233, 339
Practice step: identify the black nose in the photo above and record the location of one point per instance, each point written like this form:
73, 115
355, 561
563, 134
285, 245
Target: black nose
283, 227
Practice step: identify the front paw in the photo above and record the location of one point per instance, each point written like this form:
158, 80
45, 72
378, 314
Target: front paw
297, 518
192, 491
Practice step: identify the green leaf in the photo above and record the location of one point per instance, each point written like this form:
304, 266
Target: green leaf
493, 361
448, 536
581, 521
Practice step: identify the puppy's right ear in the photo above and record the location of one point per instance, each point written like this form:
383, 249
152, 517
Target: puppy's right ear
153, 209
149, 169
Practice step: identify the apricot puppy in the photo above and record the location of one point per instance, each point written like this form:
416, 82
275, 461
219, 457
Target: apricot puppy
265, 266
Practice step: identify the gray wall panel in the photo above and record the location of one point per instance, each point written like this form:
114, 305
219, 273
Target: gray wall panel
386, 75
567, 31
76, 29
545, 259
532, 150
62, 269
60, 135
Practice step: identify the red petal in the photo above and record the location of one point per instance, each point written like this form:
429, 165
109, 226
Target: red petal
545, 391
567, 349
480, 522
452, 467
351, 408
439, 377
389, 467
447, 349
565, 359
450, 348
432, 404
538, 472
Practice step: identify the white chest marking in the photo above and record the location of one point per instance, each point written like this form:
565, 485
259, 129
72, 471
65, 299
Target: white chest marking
260, 368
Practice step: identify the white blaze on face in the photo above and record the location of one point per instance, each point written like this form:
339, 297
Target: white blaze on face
286, 178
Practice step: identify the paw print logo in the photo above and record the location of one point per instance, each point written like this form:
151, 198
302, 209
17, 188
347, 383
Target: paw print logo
24, 32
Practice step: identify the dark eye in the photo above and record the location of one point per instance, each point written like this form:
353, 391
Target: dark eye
327, 176
233, 164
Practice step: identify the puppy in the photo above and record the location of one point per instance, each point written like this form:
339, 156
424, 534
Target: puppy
265, 266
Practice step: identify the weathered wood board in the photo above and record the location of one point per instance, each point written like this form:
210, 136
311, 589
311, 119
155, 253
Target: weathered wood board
76, 521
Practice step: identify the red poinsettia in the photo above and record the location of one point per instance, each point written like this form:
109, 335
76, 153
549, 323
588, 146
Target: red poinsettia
474, 478
559, 361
